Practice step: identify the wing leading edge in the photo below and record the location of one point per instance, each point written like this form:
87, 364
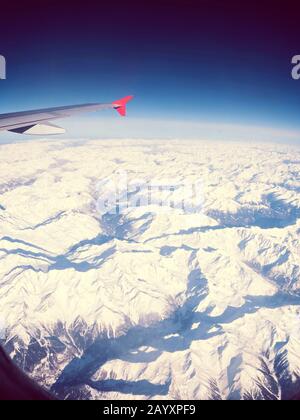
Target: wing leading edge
39, 121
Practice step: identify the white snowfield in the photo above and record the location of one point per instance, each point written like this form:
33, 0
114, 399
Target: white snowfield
151, 303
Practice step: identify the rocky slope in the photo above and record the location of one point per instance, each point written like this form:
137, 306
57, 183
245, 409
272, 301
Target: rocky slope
157, 301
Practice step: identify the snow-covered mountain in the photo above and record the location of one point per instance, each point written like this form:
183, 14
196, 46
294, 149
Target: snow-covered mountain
154, 302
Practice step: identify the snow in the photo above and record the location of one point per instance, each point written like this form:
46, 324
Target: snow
157, 301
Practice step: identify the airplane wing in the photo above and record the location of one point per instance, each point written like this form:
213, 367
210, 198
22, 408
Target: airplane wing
39, 121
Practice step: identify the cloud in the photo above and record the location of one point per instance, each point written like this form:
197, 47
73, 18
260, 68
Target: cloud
103, 126
111, 127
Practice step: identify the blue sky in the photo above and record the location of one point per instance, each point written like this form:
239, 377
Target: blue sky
190, 64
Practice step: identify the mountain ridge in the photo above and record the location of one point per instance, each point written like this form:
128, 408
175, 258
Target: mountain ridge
153, 302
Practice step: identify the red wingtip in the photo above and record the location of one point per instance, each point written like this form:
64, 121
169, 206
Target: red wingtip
120, 105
